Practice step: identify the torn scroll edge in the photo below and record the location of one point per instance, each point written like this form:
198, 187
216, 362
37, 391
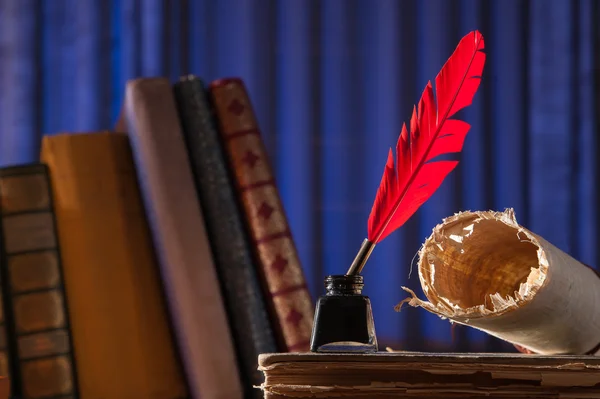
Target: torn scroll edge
555, 308
458, 228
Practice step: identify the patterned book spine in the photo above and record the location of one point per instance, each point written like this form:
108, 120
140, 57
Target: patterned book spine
32, 272
278, 260
232, 250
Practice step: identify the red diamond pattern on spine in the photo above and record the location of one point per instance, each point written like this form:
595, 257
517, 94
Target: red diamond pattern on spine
251, 159
280, 269
279, 264
294, 317
265, 211
236, 107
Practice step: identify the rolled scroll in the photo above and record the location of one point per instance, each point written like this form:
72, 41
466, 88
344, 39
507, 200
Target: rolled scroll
484, 270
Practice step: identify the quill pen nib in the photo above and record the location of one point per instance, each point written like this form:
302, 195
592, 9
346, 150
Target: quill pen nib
361, 258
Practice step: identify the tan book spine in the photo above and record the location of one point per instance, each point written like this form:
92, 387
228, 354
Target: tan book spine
119, 324
32, 270
280, 267
177, 224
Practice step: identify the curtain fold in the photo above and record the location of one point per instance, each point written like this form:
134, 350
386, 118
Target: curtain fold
332, 81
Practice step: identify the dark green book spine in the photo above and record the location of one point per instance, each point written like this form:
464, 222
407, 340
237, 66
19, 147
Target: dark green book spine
232, 250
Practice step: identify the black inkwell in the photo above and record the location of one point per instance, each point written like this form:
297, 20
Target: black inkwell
343, 317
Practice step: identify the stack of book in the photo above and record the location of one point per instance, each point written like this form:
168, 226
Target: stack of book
152, 260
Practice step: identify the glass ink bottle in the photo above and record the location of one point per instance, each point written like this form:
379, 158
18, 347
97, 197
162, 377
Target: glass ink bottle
343, 318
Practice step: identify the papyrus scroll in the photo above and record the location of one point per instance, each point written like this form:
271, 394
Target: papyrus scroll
484, 270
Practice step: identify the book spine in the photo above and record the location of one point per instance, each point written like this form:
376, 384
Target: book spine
32, 274
182, 243
279, 264
119, 325
231, 247
5, 369
6, 359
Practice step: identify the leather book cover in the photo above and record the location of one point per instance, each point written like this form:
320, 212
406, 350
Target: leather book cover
6, 360
429, 375
279, 264
178, 229
230, 243
119, 323
31, 269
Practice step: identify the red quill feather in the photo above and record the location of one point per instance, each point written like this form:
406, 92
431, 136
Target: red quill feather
416, 176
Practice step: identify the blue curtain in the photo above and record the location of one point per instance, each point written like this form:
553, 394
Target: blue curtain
332, 81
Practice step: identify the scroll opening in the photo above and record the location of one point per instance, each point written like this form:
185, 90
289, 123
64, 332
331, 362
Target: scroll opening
463, 273
484, 270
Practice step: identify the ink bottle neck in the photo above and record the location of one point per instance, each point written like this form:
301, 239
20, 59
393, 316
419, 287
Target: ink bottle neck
344, 285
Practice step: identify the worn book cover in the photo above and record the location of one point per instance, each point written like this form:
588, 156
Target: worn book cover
429, 375
279, 265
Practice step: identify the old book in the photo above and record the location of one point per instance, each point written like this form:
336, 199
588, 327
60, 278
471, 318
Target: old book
429, 375
6, 360
178, 228
31, 269
279, 265
119, 323
484, 270
5, 386
231, 245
